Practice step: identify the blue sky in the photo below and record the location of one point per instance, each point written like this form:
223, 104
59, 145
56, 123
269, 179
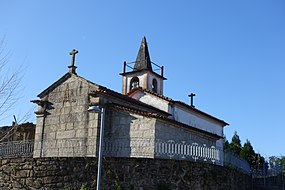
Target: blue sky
230, 53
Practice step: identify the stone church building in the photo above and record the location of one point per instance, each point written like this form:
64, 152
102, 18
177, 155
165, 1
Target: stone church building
138, 122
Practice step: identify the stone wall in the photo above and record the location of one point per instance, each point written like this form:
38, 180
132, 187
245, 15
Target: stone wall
67, 123
130, 130
118, 174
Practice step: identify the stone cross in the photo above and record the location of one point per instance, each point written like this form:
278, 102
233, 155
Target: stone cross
192, 98
73, 53
72, 67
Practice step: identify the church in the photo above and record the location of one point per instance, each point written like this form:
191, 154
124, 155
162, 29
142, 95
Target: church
139, 122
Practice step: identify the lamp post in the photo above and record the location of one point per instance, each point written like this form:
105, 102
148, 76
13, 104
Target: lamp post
101, 110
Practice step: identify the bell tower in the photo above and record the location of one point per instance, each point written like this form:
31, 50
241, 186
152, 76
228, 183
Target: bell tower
141, 75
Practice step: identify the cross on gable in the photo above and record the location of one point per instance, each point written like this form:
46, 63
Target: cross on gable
72, 67
73, 53
192, 98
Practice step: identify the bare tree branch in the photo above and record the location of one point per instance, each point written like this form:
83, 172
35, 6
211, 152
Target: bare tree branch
9, 82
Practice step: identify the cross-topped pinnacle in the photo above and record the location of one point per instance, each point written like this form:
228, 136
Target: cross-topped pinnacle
72, 67
191, 99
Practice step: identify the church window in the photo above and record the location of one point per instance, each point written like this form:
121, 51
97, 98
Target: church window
135, 83
154, 85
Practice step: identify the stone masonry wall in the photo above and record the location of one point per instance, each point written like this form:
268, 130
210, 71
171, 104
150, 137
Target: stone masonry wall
118, 174
130, 130
68, 123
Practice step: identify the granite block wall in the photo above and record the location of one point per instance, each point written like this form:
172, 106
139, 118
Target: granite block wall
118, 174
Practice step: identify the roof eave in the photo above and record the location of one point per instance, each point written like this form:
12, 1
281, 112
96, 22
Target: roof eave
104, 91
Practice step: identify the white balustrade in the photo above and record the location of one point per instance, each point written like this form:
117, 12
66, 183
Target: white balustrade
143, 148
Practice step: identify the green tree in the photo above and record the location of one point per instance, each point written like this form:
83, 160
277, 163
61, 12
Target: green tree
226, 145
258, 161
283, 164
235, 145
248, 153
275, 161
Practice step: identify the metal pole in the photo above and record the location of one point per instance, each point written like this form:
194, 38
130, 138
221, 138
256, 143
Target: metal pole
43, 128
100, 147
124, 69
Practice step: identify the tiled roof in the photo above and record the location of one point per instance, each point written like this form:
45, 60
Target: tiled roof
135, 111
108, 92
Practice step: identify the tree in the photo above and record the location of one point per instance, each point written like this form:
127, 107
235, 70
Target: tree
235, 145
274, 161
248, 153
259, 160
277, 163
226, 145
283, 164
9, 82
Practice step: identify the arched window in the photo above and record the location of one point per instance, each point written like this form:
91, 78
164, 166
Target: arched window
135, 83
154, 85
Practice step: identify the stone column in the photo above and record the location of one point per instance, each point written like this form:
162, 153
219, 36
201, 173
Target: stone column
38, 144
39, 133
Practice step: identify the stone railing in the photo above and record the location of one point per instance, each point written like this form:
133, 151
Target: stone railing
170, 149
187, 151
17, 149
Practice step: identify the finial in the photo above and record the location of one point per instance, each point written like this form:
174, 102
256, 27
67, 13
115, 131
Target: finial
191, 99
72, 67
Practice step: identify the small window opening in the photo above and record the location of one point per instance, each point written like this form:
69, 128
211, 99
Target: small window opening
135, 83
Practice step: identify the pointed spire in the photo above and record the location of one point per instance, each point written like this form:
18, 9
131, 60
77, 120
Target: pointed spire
143, 58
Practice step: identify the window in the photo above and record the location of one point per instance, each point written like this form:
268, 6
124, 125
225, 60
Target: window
154, 85
135, 83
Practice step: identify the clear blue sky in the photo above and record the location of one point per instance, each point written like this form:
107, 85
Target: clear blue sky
231, 53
